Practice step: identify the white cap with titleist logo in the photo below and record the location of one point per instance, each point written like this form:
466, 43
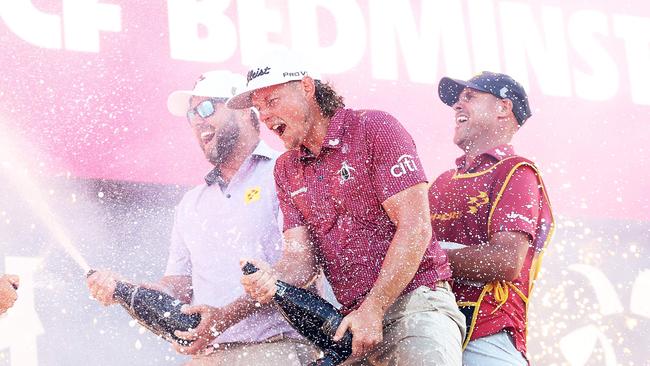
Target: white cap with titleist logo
279, 67
216, 84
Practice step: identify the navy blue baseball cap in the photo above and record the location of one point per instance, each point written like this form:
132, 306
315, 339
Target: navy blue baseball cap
500, 85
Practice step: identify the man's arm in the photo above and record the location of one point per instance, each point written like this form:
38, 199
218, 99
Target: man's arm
178, 286
513, 224
102, 286
297, 266
214, 321
8, 295
409, 210
500, 259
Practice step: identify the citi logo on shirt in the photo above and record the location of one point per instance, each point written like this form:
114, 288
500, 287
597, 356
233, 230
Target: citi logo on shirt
405, 164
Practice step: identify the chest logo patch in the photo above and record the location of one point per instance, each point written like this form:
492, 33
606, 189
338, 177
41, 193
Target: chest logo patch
477, 201
252, 194
345, 173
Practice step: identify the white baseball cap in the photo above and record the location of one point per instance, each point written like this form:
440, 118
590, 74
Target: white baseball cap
216, 84
276, 68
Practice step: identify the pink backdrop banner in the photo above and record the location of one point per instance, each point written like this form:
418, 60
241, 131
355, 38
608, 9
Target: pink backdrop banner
86, 82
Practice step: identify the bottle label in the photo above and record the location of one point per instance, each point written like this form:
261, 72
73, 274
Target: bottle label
330, 326
281, 289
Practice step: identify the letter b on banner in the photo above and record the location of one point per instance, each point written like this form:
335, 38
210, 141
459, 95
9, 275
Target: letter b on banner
200, 31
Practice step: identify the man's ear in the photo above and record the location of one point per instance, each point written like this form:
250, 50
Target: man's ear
504, 108
308, 85
243, 114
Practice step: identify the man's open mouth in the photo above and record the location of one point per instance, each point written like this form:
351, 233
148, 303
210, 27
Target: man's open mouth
279, 129
207, 136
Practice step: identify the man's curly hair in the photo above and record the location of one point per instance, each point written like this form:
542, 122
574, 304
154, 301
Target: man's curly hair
327, 99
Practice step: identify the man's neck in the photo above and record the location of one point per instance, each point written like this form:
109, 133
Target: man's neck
231, 166
492, 139
316, 134
477, 148
474, 150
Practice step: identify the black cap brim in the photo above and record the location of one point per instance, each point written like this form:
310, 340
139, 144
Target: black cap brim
449, 89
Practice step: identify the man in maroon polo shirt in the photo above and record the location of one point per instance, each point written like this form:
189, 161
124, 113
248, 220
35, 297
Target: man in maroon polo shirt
492, 215
354, 199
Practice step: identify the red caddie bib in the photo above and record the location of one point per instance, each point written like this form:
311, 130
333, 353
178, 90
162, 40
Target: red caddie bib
462, 207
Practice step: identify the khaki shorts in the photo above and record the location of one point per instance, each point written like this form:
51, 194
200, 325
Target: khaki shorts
280, 352
423, 327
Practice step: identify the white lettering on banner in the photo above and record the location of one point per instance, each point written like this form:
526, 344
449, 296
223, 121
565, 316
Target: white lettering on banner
83, 19
583, 29
256, 21
22, 319
81, 22
405, 164
523, 41
578, 346
441, 25
581, 343
530, 41
483, 30
350, 33
21, 16
608, 300
635, 31
186, 18
640, 297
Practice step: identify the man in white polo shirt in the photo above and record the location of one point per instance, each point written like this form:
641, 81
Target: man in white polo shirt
233, 215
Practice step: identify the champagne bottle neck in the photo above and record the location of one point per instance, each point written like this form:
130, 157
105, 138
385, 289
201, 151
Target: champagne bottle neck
281, 288
124, 293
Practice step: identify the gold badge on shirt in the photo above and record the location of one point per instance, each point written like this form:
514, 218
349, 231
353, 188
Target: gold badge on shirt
252, 195
477, 201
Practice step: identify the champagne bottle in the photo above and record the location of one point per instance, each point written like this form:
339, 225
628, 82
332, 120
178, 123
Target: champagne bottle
155, 310
313, 317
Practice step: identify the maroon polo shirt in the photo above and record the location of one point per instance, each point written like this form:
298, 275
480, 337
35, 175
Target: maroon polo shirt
461, 200
366, 157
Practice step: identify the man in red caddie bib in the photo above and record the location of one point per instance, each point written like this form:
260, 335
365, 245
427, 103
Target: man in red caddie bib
492, 215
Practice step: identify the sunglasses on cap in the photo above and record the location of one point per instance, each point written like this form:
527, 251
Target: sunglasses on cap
205, 109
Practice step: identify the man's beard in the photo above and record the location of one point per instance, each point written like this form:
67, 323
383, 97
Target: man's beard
226, 143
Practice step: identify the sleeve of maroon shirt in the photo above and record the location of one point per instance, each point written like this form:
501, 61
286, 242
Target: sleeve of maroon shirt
291, 215
518, 208
395, 164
